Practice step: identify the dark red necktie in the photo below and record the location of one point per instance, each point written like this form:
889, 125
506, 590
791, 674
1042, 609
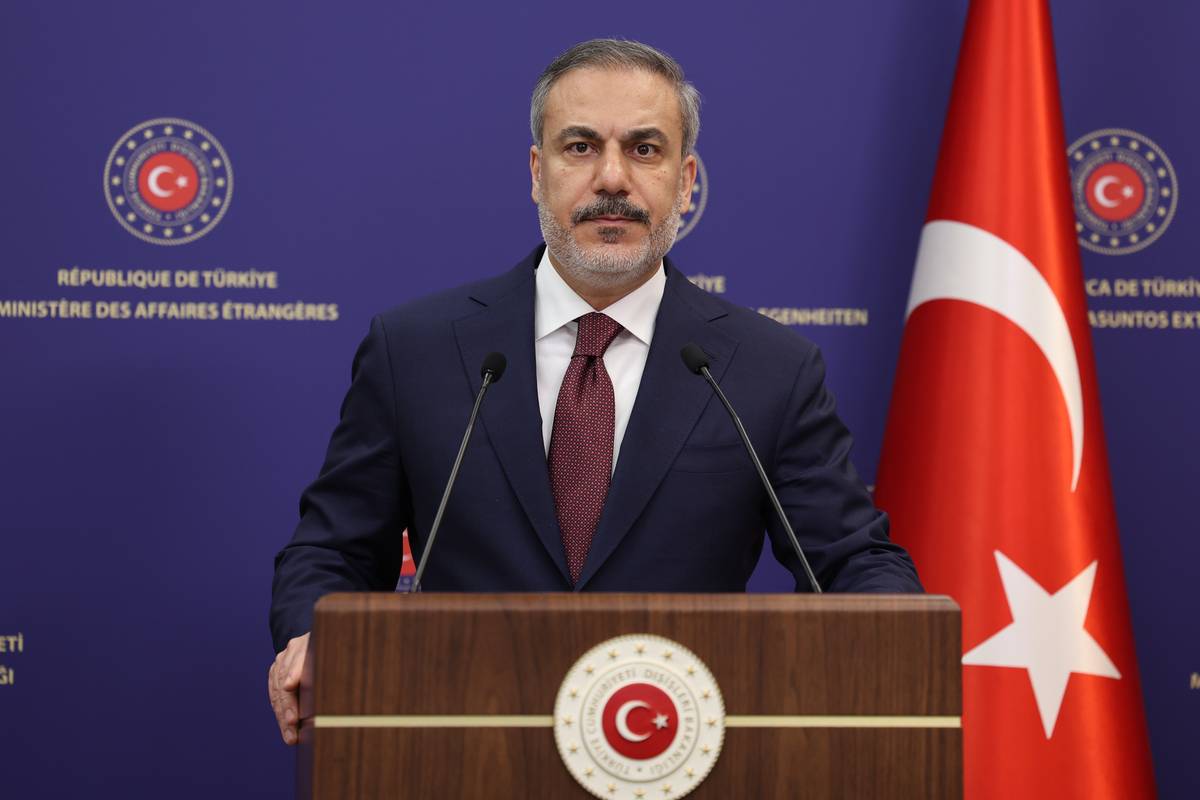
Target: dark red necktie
581, 442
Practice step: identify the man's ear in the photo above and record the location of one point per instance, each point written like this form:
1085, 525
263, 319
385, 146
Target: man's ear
689, 180
535, 172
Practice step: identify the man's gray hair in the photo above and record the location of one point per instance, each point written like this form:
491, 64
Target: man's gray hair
618, 54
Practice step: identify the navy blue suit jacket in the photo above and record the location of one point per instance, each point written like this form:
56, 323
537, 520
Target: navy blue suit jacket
685, 511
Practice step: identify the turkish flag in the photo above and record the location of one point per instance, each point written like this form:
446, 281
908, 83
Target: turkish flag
408, 568
994, 468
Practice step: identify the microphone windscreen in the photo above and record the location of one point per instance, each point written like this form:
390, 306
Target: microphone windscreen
693, 357
495, 364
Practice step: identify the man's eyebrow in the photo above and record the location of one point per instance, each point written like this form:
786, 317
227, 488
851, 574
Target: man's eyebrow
577, 132
645, 135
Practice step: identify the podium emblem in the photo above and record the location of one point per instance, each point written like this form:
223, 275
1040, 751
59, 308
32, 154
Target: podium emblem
637, 717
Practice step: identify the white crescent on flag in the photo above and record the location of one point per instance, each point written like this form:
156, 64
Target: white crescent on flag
957, 261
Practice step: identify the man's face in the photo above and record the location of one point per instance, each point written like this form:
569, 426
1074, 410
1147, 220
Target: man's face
609, 178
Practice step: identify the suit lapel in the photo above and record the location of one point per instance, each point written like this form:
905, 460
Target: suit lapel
510, 412
669, 402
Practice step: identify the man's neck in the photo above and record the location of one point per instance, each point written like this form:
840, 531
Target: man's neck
601, 297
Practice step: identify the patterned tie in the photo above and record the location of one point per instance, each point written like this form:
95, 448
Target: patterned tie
581, 442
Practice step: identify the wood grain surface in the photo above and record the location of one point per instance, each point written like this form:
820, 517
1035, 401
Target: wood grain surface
478, 654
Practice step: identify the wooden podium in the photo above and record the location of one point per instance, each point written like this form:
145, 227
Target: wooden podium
447, 695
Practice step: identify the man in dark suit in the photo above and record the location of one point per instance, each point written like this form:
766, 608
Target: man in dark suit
601, 463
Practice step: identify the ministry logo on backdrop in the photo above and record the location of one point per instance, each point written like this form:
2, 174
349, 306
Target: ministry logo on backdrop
168, 181
691, 215
1125, 190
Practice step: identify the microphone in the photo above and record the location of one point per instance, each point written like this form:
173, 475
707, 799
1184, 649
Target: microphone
491, 371
696, 360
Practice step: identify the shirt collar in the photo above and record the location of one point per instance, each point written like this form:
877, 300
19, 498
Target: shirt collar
556, 303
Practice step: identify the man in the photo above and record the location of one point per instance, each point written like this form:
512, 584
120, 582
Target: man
601, 463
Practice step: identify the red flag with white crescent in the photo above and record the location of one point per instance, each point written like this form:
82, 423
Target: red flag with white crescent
408, 567
994, 468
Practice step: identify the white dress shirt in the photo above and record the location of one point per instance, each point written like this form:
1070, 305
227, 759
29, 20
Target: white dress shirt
556, 307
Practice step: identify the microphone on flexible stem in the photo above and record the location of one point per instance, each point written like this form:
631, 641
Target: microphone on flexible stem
492, 369
696, 360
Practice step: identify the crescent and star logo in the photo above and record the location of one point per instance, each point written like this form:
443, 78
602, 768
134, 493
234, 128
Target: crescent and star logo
639, 716
691, 215
1125, 190
654, 724
168, 181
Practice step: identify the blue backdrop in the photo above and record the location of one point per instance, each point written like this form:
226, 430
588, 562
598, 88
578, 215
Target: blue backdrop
151, 467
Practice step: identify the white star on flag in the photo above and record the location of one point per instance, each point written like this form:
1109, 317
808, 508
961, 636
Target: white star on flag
1046, 637
661, 721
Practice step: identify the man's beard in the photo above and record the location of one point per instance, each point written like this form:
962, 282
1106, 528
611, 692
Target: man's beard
601, 265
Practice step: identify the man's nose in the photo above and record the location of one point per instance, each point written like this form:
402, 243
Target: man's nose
612, 172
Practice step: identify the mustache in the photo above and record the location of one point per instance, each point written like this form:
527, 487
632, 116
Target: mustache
610, 206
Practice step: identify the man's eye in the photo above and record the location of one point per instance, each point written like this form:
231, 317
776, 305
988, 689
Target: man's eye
579, 147
645, 149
